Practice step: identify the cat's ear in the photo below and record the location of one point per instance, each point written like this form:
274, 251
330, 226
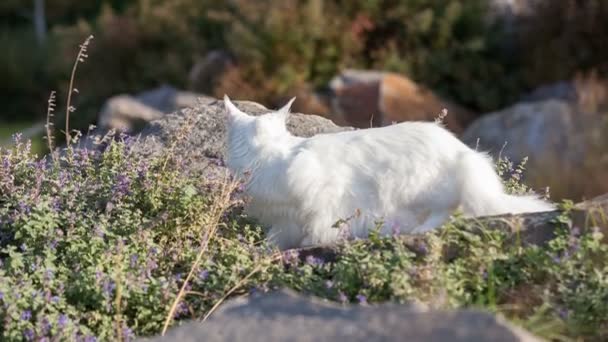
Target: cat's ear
233, 112
284, 111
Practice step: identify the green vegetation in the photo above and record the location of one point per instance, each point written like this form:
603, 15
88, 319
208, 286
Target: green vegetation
109, 244
105, 244
281, 47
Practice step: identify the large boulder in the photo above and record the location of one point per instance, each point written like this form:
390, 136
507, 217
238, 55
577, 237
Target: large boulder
201, 132
566, 146
371, 98
586, 91
127, 113
287, 316
207, 73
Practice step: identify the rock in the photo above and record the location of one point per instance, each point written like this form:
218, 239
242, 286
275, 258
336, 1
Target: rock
370, 98
353, 76
563, 90
287, 316
308, 101
208, 72
128, 113
403, 100
168, 99
565, 146
357, 105
201, 133
124, 113
586, 91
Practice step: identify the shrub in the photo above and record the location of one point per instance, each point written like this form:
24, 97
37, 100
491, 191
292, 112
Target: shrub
559, 39
98, 243
105, 243
280, 47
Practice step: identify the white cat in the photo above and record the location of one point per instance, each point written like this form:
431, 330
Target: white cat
412, 174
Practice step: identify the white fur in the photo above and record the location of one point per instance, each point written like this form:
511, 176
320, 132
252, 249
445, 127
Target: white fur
412, 174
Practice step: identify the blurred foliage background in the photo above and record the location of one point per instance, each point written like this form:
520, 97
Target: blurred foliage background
451, 46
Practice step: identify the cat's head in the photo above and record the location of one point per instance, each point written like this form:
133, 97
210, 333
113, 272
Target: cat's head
247, 134
257, 129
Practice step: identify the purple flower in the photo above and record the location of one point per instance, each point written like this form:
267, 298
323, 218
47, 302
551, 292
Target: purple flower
62, 321
291, 256
1, 295
56, 204
6, 162
556, 259
48, 274
395, 229
151, 265
217, 161
46, 326
422, 247
361, 298
142, 169
108, 287
342, 297
203, 274
90, 338
63, 178
24, 208
17, 138
23, 247
122, 185
26, 315
127, 334
314, 261
182, 309
329, 284
28, 334
133, 261
575, 231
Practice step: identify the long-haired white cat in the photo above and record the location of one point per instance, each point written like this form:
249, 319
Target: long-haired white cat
412, 174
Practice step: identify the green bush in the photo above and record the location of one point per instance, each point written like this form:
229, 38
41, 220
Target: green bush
106, 243
280, 47
562, 39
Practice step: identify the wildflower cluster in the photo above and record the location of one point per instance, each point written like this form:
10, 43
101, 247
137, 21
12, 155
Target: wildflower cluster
96, 244
107, 244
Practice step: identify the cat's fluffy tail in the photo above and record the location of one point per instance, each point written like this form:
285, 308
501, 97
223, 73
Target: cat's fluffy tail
483, 193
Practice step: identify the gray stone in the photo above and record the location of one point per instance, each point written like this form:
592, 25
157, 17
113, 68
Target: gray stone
566, 146
200, 132
127, 113
364, 98
287, 316
588, 92
536, 130
563, 90
208, 72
